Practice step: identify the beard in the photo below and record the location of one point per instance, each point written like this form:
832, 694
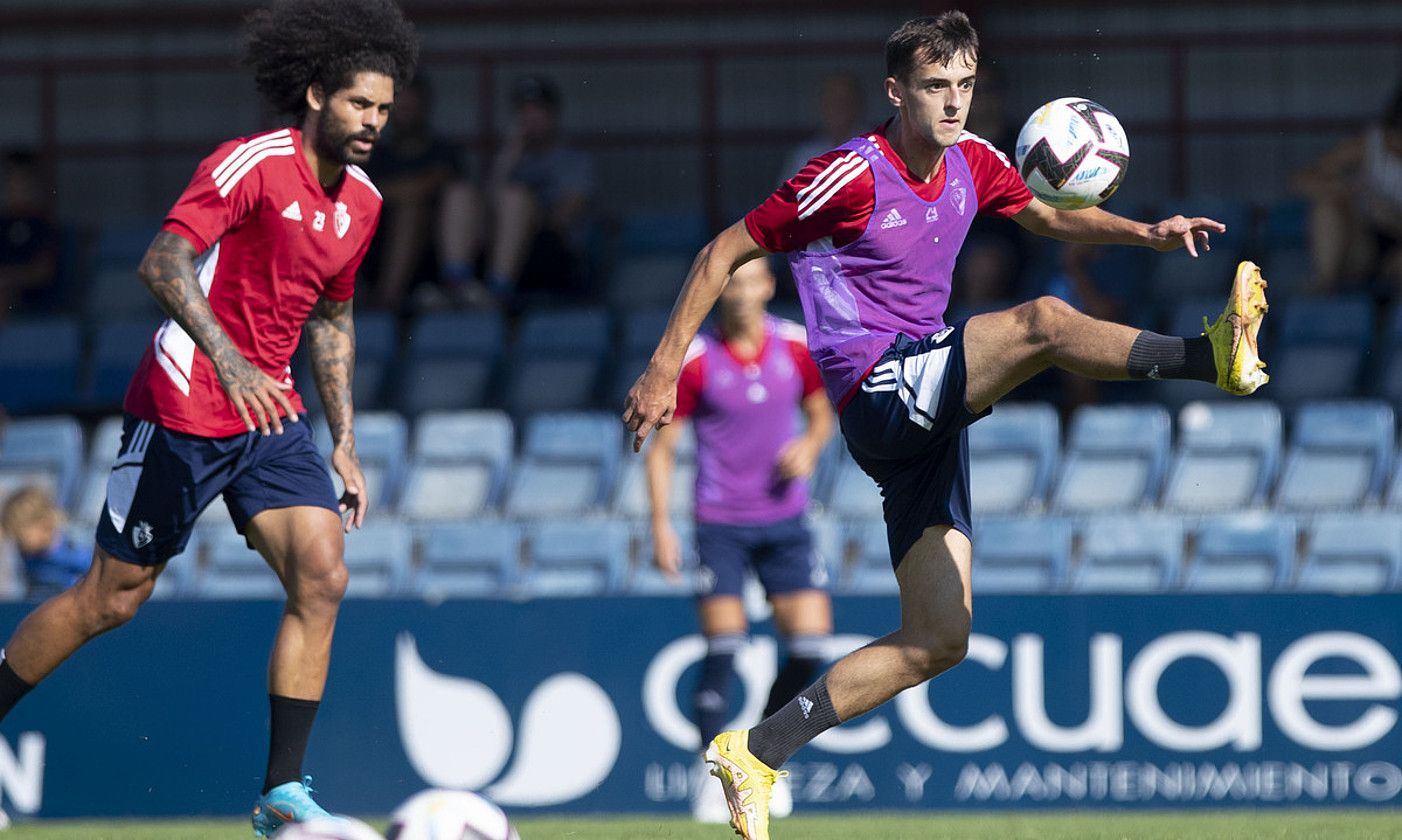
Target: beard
334, 143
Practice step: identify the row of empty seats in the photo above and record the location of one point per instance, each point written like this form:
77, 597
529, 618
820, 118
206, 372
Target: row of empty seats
587, 357
451, 466
1133, 553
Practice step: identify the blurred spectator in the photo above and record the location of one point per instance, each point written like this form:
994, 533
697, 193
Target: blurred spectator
51, 562
996, 251
431, 224
842, 110
1355, 192
539, 189
28, 238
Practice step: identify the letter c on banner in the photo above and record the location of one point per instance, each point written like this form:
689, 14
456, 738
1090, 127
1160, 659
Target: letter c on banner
919, 718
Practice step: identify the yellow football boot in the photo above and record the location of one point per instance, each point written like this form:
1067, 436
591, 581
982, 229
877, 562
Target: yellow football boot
1240, 370
747, 781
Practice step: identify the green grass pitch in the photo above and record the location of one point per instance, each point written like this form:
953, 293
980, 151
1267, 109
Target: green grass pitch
1285, 825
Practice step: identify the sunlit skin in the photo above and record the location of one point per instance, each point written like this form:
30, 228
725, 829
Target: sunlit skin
932, 105
343, 128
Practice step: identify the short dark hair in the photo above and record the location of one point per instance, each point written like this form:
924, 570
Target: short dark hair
930, 39
294, 44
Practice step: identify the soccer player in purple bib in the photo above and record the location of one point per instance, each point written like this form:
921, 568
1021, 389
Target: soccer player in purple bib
741, 385
872, 231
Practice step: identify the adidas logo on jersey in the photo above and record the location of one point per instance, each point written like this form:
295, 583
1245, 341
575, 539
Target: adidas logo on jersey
293, 212
893, 219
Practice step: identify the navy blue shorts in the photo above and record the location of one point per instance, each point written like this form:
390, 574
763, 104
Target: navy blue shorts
780, 553
907, 427
162, 480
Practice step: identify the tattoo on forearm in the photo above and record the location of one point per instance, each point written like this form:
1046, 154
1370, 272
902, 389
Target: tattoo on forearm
168, 270
331, 343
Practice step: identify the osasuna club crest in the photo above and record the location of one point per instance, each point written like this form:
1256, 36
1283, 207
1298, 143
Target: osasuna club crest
141, 534
342, 220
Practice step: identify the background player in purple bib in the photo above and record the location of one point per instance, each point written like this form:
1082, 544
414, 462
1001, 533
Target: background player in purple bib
872, 231
741, 385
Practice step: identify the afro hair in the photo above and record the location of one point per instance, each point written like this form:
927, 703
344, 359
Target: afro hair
298, 43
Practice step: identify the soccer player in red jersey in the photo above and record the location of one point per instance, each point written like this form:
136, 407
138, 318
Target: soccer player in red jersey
262, 246
872, 231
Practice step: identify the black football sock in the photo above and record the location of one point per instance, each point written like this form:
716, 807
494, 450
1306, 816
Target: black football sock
802, 719
1155, 356
287, 745
807, 656
12, 687
712, 695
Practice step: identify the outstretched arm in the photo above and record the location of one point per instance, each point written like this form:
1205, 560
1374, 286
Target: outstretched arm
330, 334
654, 396
168, 270
1098, 227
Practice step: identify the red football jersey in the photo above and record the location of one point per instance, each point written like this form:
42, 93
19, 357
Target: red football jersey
832, 197
272, 241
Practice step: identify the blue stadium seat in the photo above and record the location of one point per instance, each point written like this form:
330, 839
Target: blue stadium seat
448, 361
1177, 276
557, 359
577, 559
869, 571
1013, 455
1114, 459
640, 329
568, 464
232, 570
642, 280
460, 465
1129, 553
1250, 552
47, 451
852, 493
88, 497
596, 437
378, 557
1227, 457
1021, 554
646, 579
473, 559
680, 231
1340, 456
631, 499
39, 362
543, 489
1320, 349
623, 372
1352, 553
117, 348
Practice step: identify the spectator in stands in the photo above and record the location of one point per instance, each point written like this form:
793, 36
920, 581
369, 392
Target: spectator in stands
431, 219
28, 239
51, 561
842, 110
741, 384
540, 189
1355, 192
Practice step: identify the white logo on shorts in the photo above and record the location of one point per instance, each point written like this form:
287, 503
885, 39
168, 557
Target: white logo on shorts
141, 535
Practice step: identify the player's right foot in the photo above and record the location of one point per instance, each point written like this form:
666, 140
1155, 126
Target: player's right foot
289, 802
1240, 370
747, 781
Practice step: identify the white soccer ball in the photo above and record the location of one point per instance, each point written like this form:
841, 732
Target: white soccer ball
449, 815
1072, 153
336, 828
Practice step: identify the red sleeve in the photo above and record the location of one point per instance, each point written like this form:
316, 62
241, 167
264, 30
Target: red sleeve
833, 196
807, 368
211, 206
342, 286
689, 384
1001, 191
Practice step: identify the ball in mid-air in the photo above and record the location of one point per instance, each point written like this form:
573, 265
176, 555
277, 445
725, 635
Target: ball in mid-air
1072, 153
449, 815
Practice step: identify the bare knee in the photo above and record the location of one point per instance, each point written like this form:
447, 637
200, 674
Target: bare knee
934, 650
317, 581
1044, 321
109, 607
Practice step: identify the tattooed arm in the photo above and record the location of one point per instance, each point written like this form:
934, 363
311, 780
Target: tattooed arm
331, 343
168, 270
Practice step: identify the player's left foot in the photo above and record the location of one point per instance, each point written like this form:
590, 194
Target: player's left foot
747, 781
289, 802
1240, 370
